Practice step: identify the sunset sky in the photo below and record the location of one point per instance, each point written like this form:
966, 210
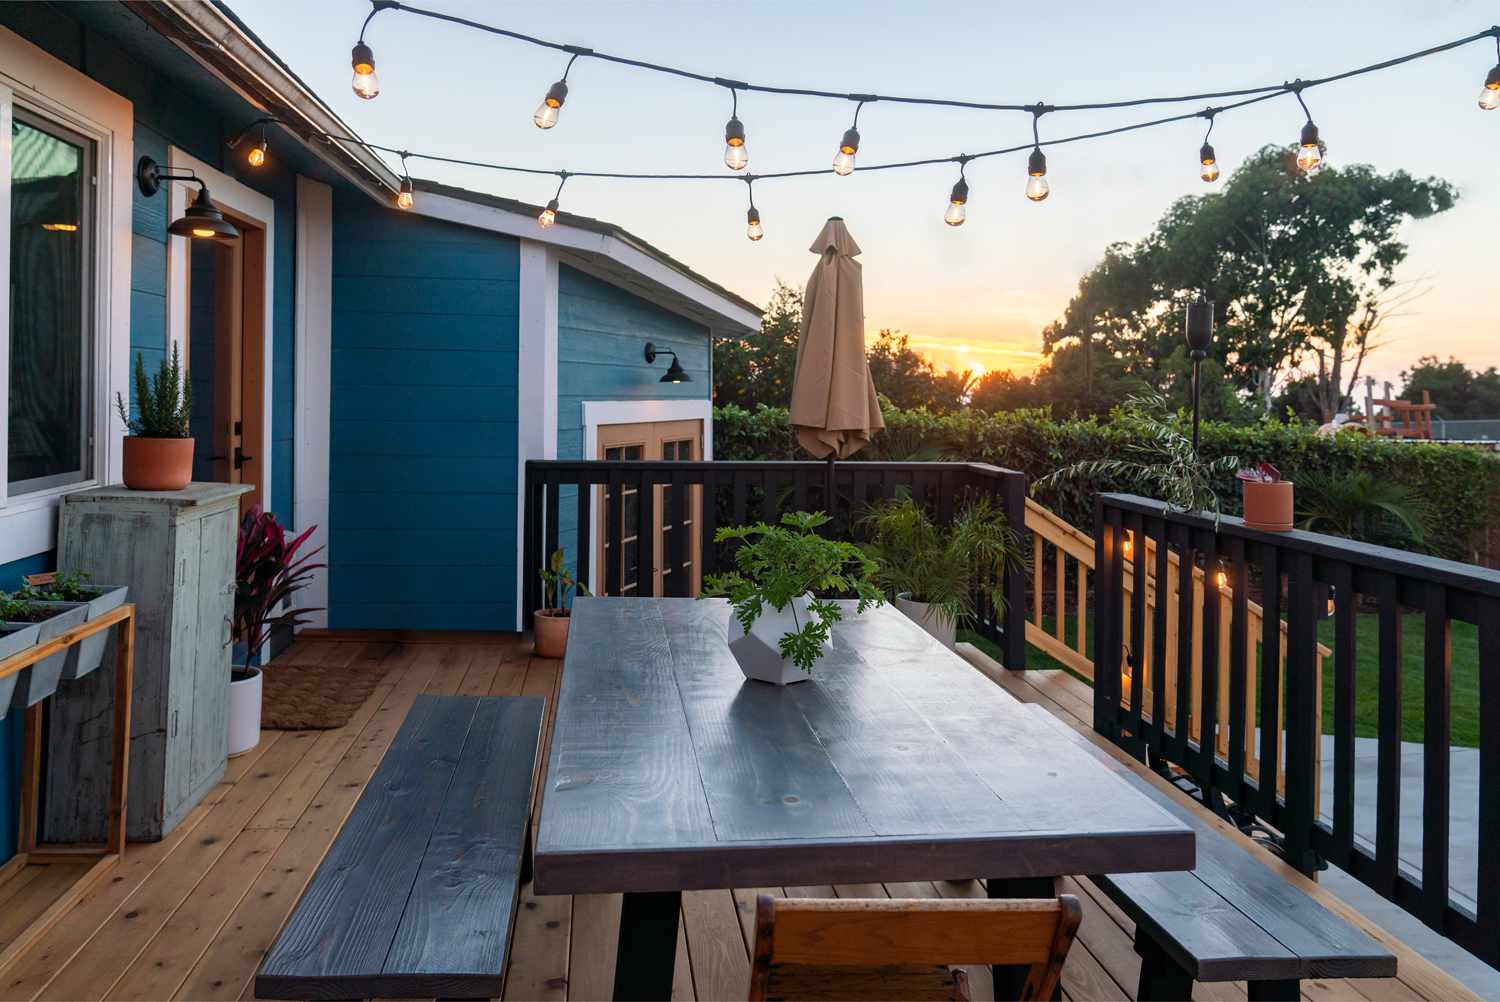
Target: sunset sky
979, 294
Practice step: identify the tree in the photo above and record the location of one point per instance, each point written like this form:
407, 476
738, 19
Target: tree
908, 380
1458, 391
1299, 267
758, 369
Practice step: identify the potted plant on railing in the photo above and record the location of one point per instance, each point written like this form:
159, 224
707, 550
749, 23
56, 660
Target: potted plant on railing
17, 612
158, 452
932, 574
778, 629
69, 590
549, 624
268, 571
1267, 498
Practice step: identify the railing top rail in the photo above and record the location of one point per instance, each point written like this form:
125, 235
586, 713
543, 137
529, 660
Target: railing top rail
787, 465
1418, 566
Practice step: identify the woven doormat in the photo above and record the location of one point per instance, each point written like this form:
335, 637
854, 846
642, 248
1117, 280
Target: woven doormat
301, 697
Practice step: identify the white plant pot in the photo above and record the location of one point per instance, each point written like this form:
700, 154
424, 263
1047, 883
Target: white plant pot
929, 618
759, 651
244, 712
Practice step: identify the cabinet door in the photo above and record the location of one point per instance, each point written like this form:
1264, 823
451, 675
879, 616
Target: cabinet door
211, 648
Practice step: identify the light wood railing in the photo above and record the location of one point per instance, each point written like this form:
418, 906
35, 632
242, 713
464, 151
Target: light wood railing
1065, 549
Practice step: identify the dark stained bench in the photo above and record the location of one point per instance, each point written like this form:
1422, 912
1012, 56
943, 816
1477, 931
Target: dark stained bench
1230, 918
417, 894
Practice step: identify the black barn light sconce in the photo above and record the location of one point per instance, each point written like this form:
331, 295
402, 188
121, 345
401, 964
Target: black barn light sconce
202, 220
675, 372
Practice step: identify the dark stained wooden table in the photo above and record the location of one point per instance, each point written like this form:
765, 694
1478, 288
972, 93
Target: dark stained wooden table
896, 762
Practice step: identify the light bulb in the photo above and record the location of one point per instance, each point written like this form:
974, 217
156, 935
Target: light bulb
1309, 150
366, 84
546, 112
736, 157
957, 200
549, 214
1208, 165
1489, 98
404, 199
753, 229
843, 163
257, 155
1037, 187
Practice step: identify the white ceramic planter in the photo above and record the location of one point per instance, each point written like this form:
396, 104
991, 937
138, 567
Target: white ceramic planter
244, 712
929, 618
759, 651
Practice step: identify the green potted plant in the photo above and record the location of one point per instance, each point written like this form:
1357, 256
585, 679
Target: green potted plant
932, 574
36, 683
268, 571
66, 590
778, 630
549, 624
158, 452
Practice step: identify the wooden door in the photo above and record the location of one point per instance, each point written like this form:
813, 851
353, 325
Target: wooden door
665, 441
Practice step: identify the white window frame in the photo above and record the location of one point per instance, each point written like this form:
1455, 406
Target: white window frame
49, 88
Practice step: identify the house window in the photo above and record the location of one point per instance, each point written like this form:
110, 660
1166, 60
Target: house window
52, 234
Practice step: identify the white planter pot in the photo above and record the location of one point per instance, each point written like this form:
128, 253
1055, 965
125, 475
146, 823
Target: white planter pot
759, 652
244, 712
929, 618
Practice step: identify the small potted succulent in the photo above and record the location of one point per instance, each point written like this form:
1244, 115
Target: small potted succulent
932, 574
72, 589
39, 681
549, 624
1268, 499
268, 571
158, 452
778, 629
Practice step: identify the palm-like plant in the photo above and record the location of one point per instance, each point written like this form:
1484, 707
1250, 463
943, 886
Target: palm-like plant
1359, 506
1158, 460
268, 570
943, 567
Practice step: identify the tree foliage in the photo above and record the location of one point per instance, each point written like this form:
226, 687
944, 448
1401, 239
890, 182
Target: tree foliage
1458, 391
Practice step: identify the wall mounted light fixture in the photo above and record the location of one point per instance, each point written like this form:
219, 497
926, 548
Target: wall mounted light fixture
675, 372
202, 220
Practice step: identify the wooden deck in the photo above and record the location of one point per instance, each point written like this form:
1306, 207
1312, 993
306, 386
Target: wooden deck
191, 916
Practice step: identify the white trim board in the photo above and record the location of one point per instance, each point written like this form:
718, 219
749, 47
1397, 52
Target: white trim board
536, 370
312, 417
244, 201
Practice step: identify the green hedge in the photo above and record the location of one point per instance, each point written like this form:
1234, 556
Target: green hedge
1458, 484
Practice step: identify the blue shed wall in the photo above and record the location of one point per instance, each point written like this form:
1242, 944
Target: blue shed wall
422, 512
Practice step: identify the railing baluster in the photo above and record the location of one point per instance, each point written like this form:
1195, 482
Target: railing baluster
614, 535
530, 543
1239, 627
645, 534
554, 500
1186, 560
741, 501
1137, 629
582, 565
1436, 683
1109, 586
1301, 712
1208, 728
1270, 680
1388, 752
1038, 571
674, 579
770, 504
1342, 580
1059, 593
1159, 639
1488, 898
709, 507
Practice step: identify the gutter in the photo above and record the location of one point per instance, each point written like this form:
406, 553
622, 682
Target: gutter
224, 48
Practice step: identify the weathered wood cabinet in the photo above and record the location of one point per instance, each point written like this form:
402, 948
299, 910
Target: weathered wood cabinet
176, 551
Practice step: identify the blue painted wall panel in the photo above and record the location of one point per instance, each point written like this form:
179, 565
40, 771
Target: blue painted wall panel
423, 443
10, 727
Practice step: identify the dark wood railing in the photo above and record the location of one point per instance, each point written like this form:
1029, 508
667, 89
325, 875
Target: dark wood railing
733, 493
1303, 577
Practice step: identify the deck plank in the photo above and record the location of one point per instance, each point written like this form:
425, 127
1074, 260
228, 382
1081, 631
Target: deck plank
716, 945
596, 934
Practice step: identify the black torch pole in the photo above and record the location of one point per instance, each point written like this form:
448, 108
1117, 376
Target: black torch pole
1200, 332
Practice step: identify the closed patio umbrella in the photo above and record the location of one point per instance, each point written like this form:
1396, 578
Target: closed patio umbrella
834, 407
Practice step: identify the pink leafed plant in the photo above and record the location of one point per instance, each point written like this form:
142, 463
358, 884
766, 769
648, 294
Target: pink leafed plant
268, 570
1263, 473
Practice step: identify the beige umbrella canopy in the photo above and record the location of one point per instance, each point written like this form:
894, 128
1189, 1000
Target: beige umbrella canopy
834, 407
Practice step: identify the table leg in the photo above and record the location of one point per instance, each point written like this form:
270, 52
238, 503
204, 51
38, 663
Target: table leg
647, 952
1010, 979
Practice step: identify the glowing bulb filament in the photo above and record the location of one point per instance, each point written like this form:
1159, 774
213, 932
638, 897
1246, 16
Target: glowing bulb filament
753, 229
548, 215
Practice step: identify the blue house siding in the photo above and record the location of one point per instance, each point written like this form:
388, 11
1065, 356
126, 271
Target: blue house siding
601, 332
422, 458
10, 728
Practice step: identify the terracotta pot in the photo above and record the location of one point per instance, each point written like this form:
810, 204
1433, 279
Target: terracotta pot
157, 464
1268, 506
550, 632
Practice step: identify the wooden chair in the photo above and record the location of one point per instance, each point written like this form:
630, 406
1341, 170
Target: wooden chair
819, 948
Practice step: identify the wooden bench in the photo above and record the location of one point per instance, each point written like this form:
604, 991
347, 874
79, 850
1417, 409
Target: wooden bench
1230, 918
417, 894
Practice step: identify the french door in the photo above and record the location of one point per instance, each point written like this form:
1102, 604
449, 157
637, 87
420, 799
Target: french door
672, 532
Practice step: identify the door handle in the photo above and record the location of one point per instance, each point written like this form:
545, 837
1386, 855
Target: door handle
240, 459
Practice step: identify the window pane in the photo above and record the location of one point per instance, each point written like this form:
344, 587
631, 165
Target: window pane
51, 305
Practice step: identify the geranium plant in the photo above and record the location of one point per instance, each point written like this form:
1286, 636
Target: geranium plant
559, 585
1261, 473
269, 569
775, 564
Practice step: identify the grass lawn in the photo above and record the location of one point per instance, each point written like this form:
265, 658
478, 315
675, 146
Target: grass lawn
1464, 701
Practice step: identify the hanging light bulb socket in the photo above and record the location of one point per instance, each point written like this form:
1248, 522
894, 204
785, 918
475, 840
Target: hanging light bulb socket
366, 84
1208, 162
958, 198
546, 113
753, 229
736, 157
255, 156
548, 215
405, 195
1037, 188
843, 161
1309, 145
1489, 97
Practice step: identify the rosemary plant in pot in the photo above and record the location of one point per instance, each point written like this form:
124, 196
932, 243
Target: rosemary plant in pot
268, 571
933, 574
549, 624
158, 452
778, 629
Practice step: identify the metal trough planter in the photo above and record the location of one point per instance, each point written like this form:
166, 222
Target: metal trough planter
88, 654
40, 680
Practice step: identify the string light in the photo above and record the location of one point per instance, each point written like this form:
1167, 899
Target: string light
753, 229
958, 198
1037, 188
1489, 98
736, 155
366, 84
257, 155
843, 161
1208, 164
1309, 146
405, 198
547, 112
548, 215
